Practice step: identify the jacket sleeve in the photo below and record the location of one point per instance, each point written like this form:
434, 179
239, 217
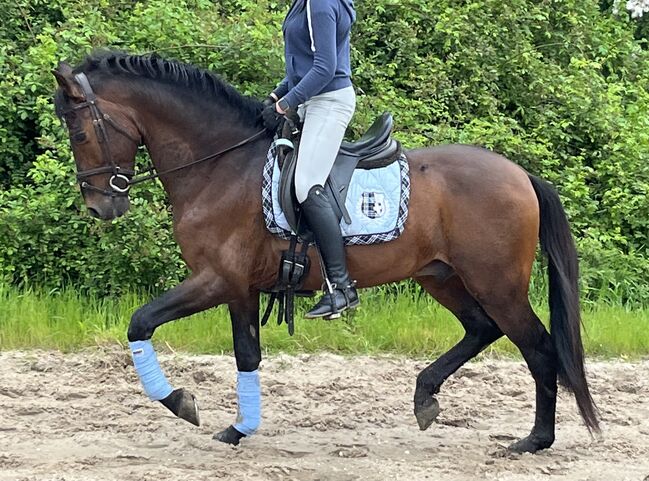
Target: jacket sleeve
321, 17
282, 88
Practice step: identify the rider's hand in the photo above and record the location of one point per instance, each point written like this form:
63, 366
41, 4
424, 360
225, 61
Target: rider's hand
271, 117
270, 100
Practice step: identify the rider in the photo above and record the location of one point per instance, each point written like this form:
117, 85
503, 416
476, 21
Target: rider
318, 85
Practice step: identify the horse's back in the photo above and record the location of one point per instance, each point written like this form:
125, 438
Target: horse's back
467, 165
473, 174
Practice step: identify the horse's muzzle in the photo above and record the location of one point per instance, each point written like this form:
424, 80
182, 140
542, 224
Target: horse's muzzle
108, 208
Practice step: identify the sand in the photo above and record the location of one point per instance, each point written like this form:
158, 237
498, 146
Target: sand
69, 417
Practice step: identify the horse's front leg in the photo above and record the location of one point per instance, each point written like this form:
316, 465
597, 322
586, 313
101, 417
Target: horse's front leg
195, 294
247, 351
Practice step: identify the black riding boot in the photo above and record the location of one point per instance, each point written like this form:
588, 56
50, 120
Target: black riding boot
340, 293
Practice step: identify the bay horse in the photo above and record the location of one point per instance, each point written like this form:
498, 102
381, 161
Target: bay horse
470, 238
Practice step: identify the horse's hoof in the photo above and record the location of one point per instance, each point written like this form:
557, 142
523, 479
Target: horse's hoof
188, 408
530, 444
183, 405
426, 412
229, 436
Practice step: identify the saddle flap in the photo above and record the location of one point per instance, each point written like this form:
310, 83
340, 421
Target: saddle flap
287, 199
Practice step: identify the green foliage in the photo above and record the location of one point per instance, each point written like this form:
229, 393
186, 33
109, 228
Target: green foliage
47, 237
560, 87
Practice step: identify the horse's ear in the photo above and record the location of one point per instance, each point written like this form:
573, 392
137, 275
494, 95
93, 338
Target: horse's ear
65, 79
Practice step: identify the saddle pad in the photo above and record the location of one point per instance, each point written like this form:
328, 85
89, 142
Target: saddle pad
377, 202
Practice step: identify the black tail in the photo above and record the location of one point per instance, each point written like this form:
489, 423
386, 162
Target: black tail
558, 245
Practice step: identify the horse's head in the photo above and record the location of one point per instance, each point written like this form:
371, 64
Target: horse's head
104, 141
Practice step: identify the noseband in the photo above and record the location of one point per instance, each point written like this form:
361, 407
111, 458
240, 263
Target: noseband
121, 175
120, 180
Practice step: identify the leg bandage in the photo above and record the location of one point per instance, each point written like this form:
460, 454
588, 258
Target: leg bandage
146, 365
249, 394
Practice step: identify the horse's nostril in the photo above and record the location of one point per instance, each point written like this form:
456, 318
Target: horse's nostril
94, 212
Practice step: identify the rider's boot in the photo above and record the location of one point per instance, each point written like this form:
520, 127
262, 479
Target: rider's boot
340, 291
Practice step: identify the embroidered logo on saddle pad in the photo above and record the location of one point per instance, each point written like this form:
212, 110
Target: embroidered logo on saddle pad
373, 204
377, 201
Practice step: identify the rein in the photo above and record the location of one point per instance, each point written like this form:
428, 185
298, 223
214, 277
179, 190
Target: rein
138, 178
126, 177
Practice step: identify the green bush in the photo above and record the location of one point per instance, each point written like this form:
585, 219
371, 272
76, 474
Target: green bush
47, 238
561, 87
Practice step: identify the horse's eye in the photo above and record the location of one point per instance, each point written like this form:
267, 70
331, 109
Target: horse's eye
70, 119
79, 137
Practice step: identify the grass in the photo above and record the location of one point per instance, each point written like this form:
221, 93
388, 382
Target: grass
386, 323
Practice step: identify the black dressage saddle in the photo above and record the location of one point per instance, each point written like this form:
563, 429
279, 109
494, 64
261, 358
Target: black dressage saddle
373, 150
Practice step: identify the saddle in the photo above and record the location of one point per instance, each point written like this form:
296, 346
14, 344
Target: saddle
375, 149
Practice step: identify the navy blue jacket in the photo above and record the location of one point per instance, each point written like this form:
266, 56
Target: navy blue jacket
316, 48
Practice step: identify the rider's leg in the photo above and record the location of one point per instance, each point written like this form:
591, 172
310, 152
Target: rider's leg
326, 117
340, 292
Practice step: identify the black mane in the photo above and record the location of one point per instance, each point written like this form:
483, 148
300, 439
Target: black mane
180, 75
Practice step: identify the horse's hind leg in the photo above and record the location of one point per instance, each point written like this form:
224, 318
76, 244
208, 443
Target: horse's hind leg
503, 294
522, 326
480, 332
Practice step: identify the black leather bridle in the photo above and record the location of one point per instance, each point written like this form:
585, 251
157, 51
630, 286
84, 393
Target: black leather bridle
120, 175
99, 120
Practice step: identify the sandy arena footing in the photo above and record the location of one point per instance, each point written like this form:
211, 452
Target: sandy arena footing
83, 417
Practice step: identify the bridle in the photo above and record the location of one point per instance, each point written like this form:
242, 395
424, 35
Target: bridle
99, 121
120, 175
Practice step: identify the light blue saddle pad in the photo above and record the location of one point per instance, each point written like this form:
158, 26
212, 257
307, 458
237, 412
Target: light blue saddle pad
377, 202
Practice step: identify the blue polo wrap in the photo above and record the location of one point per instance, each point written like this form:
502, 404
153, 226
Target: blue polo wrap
249, 394
146, 365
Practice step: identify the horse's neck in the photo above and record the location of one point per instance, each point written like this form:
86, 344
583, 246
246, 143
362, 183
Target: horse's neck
179, 137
